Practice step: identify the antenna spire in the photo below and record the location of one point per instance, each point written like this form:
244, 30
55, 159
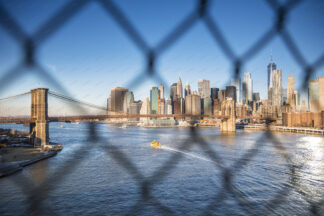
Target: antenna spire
271, 55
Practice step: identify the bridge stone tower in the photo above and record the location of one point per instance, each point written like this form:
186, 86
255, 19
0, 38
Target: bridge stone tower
39, 114
228, 109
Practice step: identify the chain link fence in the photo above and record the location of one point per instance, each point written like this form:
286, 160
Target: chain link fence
36, 194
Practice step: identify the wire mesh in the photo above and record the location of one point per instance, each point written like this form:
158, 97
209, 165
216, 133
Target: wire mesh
36, 194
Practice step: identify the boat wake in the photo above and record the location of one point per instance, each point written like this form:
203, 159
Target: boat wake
186, 153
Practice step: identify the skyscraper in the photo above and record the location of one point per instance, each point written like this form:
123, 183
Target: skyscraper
128, 99
173, 91
154, 100
221, 95
271, 66
230, 92
187, 90
297, 99
161, 106
204, 88
214, 93
162, 91
247, 88
145, 108
117, 99
193, 106
207, 106
256, 96
316, 95
168, 106
237, 83
179, 88
291, 91
276, 95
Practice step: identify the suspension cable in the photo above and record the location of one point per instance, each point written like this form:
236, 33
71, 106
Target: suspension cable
63, 97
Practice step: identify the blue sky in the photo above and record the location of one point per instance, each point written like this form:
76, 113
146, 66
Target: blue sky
90, 53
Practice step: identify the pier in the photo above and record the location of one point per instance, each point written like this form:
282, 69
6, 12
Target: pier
286, 129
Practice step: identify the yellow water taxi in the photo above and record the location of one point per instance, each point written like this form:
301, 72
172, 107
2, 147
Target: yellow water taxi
155, 144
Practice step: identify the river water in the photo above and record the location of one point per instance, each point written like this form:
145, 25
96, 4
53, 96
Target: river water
106, 177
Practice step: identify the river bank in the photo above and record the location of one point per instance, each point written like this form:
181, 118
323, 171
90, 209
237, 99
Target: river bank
16, 151
285, 129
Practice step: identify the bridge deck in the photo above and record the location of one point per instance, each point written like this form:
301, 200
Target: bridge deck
25, 120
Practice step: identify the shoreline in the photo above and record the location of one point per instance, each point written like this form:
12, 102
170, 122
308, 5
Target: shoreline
9, 168
296, 130
16, 151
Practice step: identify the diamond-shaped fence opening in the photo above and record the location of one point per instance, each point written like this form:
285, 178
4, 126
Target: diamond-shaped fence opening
36, 194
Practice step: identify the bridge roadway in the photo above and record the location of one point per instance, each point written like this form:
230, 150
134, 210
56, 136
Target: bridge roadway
25, 120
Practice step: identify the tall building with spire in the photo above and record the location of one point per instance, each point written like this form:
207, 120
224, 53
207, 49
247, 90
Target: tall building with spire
179, 88
271, 67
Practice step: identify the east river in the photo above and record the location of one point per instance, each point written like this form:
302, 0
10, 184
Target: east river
105, 176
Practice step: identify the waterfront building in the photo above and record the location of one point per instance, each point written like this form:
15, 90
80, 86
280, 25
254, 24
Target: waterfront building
145, 108
230, 92
162, 91
154, 100
173, 91
192, 104
187, 90
303, 119
214, 93
128, 99
204, 88
237, 83
291, 91
316, 95
247, 88
117, 99
276, 94
179, 88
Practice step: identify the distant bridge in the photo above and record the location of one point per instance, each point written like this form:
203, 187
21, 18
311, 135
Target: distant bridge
39, 118
26, 120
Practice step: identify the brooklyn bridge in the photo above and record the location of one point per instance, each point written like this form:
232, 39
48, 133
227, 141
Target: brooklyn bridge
39, 118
